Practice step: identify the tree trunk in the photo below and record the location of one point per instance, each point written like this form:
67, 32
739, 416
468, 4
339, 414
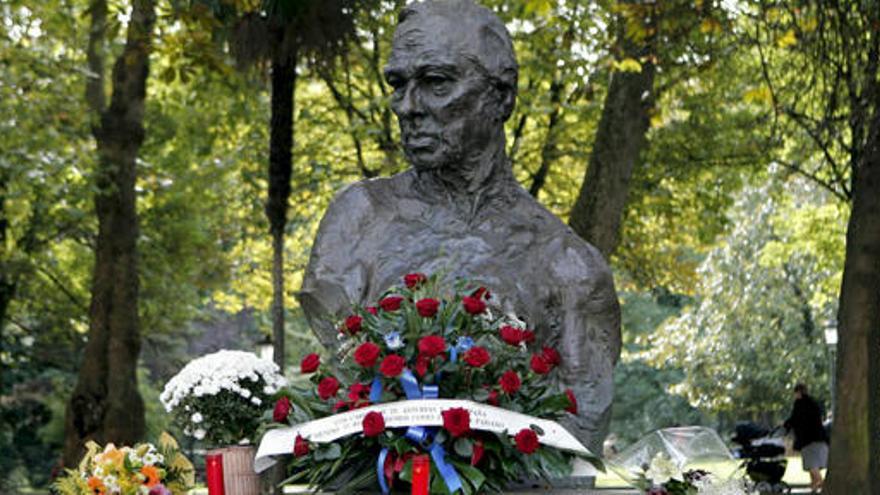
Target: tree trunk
7, 280
855, 440
620, 139
7, 283
280, 170
549, 151
105, 405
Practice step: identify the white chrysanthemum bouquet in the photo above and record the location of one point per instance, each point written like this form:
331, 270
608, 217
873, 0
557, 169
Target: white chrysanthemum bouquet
221, 397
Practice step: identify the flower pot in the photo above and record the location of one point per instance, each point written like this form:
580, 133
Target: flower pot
239, 477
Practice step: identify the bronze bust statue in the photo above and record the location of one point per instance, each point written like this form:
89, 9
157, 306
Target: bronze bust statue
459, 208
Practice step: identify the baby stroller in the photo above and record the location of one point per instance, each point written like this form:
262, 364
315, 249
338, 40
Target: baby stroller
762, 452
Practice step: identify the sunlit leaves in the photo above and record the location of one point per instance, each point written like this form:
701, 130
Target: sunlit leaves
756, 327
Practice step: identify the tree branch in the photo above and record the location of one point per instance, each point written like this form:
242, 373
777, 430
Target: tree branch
63, 288
829, 186
95, 96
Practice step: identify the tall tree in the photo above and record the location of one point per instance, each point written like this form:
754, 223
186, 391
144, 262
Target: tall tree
855, 445
621, 135
105, 405
286, 32
821, 74
675, 37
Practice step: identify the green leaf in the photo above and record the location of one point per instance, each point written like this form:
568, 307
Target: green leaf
473, 475
480, 395
328, 452
464, 447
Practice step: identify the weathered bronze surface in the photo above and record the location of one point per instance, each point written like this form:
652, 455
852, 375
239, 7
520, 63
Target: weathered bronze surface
460, 209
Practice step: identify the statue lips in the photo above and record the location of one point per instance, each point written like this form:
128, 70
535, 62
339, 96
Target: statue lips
420, 142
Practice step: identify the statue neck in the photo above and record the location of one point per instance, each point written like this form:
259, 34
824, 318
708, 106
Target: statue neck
481, 179
475, 172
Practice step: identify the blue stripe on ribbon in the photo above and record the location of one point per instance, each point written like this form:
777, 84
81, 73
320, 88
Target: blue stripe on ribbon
446, 470
430, 392
376, 390
380, 469
416, 434
410, 385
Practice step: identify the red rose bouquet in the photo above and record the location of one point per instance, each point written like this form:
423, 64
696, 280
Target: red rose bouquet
427, 371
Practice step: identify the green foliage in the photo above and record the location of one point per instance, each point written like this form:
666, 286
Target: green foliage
642, 400
756, 328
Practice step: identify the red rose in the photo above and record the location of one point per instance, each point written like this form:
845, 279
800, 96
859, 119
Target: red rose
366, 354
310, 363
413, 280
511, 335
526, 441
390, 303
540, 365
427, 307
480, 292
432, 346
528, 336
422, 365
372, 310
374, 424
473, 305
457, 421
552, 356
477, 357
340, 404
357, 390
353, 324
282, 409
509, 382
493, 397
392, 365
573, 406
477, 454
300, 447
328, 387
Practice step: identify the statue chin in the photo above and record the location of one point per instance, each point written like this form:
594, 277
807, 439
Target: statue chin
425, 160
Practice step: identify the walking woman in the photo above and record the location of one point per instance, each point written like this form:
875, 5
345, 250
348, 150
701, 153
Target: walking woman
810, 437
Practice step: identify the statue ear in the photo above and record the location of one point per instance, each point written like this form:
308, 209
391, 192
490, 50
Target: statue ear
506, 100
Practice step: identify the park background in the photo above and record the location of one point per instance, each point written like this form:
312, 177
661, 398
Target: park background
729, 130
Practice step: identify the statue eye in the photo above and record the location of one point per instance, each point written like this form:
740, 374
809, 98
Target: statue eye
397, 83
437, 83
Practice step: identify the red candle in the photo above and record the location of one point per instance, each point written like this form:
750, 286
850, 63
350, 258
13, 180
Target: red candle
421, 474
214, 473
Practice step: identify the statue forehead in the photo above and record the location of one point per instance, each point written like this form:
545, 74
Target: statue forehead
436, 37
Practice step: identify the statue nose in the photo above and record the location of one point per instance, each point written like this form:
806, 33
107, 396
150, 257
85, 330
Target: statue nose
410, 103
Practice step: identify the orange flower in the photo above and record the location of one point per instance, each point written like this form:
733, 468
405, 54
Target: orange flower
96, 485
152, 475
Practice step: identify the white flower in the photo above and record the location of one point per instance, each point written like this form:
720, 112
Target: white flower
223, 370
199, 434
662, 469
196, 418
256, 401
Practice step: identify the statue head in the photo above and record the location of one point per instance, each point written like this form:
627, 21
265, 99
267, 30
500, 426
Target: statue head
454, 76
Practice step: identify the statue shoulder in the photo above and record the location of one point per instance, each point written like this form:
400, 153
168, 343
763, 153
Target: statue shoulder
364, 198
579, 266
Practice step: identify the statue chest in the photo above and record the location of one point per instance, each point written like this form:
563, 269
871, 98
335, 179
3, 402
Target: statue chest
497, 252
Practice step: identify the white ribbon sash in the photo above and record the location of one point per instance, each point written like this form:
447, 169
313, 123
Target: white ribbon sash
425, 412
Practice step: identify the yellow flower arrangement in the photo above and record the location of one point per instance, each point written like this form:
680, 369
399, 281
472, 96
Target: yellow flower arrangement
144, 469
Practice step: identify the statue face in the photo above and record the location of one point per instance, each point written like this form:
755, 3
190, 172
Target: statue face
443, 100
